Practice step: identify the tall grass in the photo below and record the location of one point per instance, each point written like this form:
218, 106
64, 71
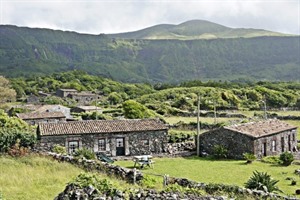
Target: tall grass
34, 177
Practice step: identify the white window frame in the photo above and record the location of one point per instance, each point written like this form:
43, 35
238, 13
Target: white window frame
74, 147
273, 145
101, 146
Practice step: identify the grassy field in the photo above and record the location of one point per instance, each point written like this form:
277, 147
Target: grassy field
42, 178
234, 172
34, 177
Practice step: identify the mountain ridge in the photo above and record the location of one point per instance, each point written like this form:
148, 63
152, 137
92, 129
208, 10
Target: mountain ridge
28, 51
194, 29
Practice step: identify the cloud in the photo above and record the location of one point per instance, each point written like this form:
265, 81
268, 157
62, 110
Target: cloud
103, 16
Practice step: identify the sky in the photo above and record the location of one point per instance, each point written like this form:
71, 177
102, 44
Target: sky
116, 16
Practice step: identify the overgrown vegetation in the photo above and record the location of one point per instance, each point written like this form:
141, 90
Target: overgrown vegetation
262, 181
85, 153
286, 158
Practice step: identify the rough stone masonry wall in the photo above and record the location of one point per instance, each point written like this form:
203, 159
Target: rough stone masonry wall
235, 143
129, 175
73, 192
136, 143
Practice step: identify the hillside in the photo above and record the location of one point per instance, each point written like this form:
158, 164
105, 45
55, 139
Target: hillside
28, 51
194, 29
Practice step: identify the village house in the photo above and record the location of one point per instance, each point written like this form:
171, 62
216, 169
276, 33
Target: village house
112, 137
65, 92
80, 109
262, 138
34, 118
55, 108
84, 98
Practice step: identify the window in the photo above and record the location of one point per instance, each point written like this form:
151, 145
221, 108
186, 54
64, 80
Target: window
145, 142
101, 144
274, 145
73, 146
120, 142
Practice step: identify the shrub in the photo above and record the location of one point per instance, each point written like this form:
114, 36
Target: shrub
249, 157
85, 153
84, 180
17, 151
149, 182
59, 149
286, 158
262, 181
271, 159
220, 151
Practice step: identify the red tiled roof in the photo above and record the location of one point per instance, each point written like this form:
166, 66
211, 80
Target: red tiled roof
41, 115
100, 126
261, 128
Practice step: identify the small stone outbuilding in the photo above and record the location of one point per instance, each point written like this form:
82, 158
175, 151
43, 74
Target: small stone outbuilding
262, 138
34, 118
112, 137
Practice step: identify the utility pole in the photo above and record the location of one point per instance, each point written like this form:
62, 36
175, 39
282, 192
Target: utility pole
265, 108
96, 110
215, 112
198, 126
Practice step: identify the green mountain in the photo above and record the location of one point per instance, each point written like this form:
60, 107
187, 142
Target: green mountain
194, 29
28, 51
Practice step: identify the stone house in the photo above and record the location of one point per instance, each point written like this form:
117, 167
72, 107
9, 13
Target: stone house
262, 138
84, 98
80, 109
55, 108
112, 137
34, 118
65, 92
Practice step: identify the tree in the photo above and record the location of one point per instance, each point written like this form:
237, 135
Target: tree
135, 110
6, 93
262, 181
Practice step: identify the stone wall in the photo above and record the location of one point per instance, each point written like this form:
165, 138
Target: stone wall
75, 192
235, 143
136, 143
129, 175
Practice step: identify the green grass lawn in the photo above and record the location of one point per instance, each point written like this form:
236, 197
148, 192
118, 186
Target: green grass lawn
34, 177
234, 172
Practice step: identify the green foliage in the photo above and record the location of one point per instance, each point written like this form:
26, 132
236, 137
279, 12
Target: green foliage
262, 181
103, 186
271, 159
14, 130
271, 58
220, 152
286, 158
180, 136
59, 149
249, 157
149, 181
135, 110
85, 153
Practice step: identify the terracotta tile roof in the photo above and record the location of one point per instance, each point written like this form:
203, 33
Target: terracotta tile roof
261, 128
100, 126
40, 115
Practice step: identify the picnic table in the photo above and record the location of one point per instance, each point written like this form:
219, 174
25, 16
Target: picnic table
142, 161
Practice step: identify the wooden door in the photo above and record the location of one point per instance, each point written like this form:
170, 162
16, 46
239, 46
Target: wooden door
120, 147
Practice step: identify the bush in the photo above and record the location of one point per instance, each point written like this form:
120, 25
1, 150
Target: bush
286, 158
10, 137
262, 181
149, 182
59, 149
102, 186
249, 157
85, 153
17, 151
220, 151
271, 159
